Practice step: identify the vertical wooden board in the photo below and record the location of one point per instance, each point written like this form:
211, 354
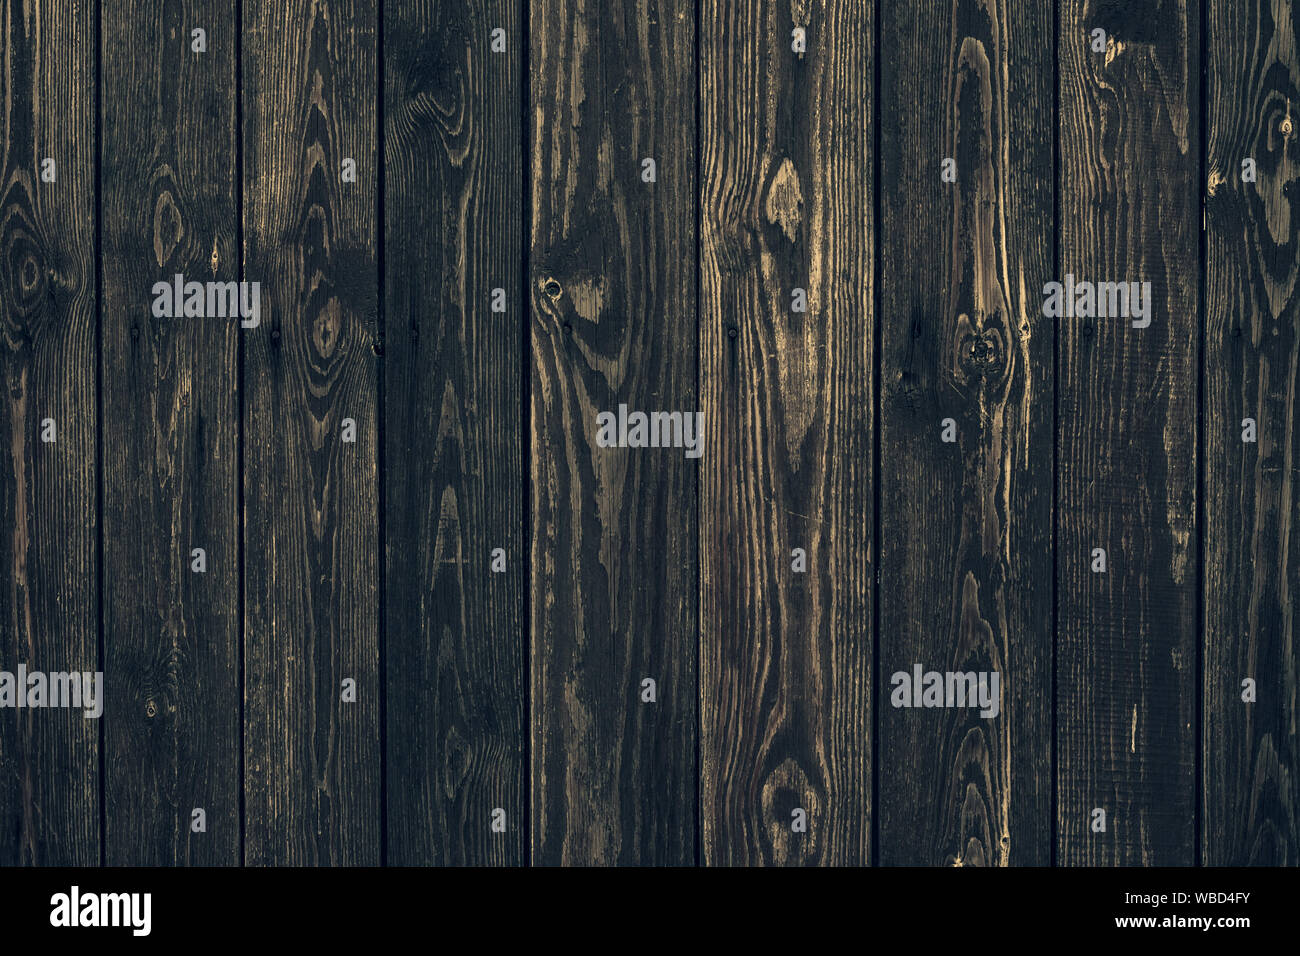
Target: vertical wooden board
613, 549
454, 485
311, 518
1126, 436
170, 433
49, 599
1251, 766
966, 431
786, 203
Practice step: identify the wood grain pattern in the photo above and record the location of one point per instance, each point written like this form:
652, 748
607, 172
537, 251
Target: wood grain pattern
786, 187
49, 576
171, 423
454, 485
966, 526
1251, 770
312, 788
1127, 435
613, 547
778, 167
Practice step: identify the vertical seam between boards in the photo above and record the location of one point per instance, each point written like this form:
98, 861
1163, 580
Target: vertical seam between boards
877, 165
1054, 819
240, 561
1198, 760
699, 561
381, 544
99, 417
525, 600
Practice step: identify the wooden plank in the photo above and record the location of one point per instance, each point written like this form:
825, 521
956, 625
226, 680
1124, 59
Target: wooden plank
49, 577
312, 788
454, 485
171, 428
613, 548
1251, 768
786, 203
1126, 437
966, 431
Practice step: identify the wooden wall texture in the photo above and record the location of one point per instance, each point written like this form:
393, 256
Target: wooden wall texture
397, 485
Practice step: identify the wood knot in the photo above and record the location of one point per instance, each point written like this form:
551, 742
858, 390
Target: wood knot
983, 353
29, 273
785, 200
33, 278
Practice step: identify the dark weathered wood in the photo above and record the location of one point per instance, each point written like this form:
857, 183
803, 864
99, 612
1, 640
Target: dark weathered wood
613, 552
966, 525
671, 296
49, 597
454, 487
1126, 435
1251, 767
311, 525
171, 423
786, 202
